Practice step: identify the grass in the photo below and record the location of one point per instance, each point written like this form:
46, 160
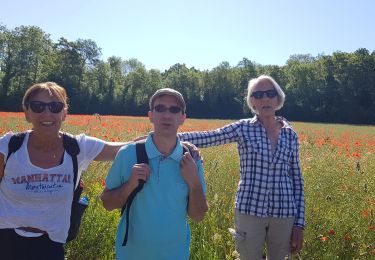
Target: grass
337, 161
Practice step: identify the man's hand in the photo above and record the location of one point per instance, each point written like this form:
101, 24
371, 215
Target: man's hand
139, 172
117, 197
189, 170
197, 205
296, 240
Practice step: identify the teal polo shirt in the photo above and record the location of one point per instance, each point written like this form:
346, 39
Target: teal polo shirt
159, 226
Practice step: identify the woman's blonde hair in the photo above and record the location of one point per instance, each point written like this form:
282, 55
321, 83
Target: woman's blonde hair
51, 87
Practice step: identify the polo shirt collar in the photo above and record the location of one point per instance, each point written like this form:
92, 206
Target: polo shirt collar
153, 152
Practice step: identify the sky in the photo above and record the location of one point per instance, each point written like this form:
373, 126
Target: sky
202, 33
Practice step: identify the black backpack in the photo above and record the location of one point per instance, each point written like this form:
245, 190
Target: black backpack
72, 148
140, 148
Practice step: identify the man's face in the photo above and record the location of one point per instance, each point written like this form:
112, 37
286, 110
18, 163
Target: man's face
166, 116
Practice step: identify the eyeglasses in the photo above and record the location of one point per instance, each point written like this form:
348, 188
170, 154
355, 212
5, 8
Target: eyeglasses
39, 106
271, 93
163, 109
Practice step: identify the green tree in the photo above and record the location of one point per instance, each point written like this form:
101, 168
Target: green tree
189, 83
24, 58
72, 62
135, 94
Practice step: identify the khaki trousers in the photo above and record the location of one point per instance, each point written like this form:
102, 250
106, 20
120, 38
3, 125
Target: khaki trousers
252, 233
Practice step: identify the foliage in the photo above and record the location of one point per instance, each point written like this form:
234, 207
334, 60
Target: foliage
328, 88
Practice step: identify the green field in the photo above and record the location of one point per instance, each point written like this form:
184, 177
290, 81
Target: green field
338, 164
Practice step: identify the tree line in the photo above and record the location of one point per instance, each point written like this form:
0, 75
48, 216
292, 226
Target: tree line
328, 88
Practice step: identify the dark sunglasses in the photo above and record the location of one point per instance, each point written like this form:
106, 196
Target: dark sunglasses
39, 106
163, 109
271, 93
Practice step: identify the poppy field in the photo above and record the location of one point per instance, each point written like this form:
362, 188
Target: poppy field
338, 165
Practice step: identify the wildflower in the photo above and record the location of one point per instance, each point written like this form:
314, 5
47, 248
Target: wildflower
356, 155
216, 198
365, 213
347, 237
331, 232
217, 237
371, 228
235, 254
323, 239
102, 182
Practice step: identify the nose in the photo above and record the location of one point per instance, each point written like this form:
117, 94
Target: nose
167, 113
46, 110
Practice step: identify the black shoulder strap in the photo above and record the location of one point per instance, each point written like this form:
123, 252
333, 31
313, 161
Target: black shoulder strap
72, 148
14, 144
140, 148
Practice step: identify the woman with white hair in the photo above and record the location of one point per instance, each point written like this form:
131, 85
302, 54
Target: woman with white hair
269, 203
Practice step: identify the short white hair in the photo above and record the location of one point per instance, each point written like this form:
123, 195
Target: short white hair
255, 81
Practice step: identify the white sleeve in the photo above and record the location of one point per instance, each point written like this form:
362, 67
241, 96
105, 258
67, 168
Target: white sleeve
4, 140
90, 147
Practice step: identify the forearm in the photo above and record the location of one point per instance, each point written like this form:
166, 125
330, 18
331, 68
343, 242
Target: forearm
197, 206
298, 188
109, 151
116, 198
210, 138
300, 205
299, 199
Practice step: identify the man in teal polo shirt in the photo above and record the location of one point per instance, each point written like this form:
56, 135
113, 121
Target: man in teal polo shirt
174, 187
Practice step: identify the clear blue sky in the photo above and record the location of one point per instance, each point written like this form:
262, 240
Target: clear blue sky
202, 33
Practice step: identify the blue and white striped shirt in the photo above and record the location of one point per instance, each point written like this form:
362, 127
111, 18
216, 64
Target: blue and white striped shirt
271, 183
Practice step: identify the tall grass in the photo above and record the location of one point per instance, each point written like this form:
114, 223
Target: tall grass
338, 163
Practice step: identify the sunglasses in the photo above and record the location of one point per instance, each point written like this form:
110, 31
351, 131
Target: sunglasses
39, 106
163, 109
271, 93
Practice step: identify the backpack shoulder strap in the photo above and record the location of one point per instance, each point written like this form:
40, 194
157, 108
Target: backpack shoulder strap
72, 148
140, 148
70, 144
14, 144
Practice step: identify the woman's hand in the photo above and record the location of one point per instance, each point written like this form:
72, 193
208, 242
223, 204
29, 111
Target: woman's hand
195, 152
296, 241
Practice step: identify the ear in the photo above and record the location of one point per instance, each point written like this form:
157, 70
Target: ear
182, 119
150, 116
